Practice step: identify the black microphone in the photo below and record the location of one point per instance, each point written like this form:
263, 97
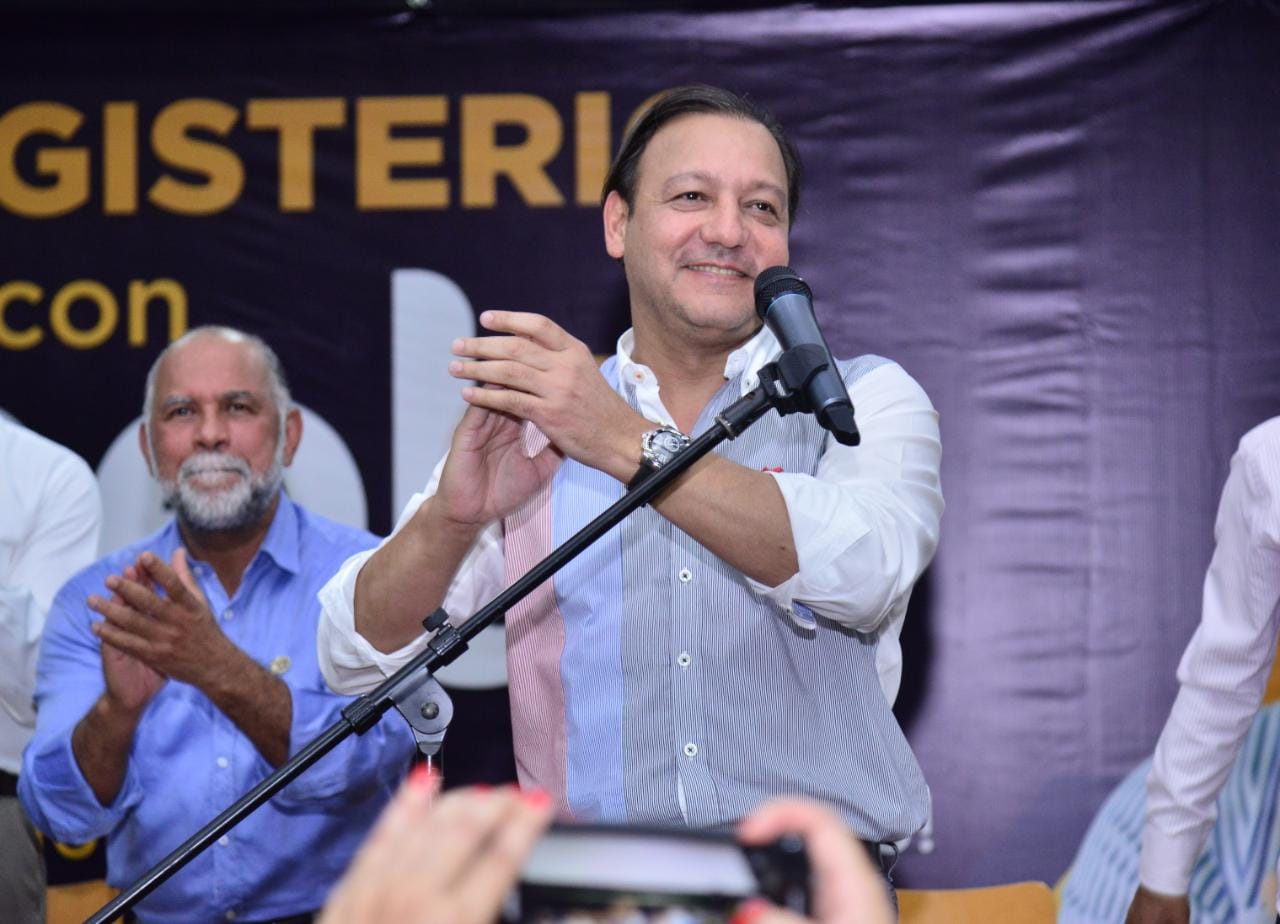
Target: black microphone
784, 302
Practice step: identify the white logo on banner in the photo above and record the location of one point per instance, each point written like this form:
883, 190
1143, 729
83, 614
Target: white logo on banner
428, 312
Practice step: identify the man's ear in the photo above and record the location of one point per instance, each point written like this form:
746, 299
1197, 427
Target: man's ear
145, 446
292, 434
616, 214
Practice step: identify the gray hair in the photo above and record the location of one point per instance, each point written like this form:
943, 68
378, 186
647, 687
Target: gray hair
275, 370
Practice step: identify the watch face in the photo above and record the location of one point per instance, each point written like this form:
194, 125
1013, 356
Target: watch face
661, 444
667, 443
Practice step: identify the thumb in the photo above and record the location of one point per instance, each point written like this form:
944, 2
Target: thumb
182, 568
547, 461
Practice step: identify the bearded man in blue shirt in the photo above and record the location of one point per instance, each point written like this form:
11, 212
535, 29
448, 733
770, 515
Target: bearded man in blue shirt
178, 672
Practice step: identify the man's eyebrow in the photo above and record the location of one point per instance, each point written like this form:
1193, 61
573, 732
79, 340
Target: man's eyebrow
240, 395
767, 186
696, 176
701, 176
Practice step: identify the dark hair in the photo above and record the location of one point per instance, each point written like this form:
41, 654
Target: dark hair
689, 100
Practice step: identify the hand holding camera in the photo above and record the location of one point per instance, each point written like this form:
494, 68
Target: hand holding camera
455, 858
845, 887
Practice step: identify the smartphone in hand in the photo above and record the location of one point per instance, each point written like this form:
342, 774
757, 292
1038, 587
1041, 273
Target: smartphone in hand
612, 873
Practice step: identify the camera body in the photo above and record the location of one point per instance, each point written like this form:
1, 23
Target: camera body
634, 874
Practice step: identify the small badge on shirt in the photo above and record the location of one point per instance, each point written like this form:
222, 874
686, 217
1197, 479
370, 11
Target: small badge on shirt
772, 468
280, 664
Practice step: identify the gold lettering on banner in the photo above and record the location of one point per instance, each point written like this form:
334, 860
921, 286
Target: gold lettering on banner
141, 294
60, 314
120, 158
10, 292
190, 158
219, 165
524, 164
377, 152
592, 144
297, 121
67, 166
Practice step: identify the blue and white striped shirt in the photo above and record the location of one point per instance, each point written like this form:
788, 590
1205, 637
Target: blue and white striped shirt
650, 682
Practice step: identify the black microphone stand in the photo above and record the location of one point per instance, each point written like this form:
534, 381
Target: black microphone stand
782, 386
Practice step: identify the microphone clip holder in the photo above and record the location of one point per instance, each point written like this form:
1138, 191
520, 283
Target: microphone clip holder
786, 377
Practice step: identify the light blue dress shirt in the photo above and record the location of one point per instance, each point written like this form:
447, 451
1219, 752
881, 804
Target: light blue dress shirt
189, 761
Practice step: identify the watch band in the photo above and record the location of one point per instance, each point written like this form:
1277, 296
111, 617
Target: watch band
646, 469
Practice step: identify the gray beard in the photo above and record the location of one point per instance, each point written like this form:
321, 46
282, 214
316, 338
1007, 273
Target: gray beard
244, 503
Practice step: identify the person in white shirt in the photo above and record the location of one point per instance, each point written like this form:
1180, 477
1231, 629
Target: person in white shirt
737, 639
50, 514
1223, 674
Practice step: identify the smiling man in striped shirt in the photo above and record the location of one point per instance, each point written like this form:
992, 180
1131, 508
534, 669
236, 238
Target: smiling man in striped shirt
737, 639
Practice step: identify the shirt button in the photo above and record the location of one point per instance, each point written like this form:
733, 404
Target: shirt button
230, 915
223, 842
683, 659
223, 763
685, 575
228, 613
690, 750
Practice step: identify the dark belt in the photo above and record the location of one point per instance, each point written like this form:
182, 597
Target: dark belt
8, 784
884, 857
884, 860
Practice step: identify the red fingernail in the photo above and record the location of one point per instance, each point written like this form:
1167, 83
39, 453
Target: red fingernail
423, 777
749, 911
536, 798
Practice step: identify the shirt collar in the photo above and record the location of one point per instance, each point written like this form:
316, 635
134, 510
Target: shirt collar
746, 360
280, 543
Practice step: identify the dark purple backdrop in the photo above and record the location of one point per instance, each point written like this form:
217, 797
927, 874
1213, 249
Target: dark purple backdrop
1062, 218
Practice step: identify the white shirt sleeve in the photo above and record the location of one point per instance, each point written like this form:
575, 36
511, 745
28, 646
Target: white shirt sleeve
52, 513
1224, 669
865, 527
349, 663
867, 523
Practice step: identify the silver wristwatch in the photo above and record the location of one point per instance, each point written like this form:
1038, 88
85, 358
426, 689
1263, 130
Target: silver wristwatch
657, 447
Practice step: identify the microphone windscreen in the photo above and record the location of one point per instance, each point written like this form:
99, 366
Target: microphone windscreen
775, 281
